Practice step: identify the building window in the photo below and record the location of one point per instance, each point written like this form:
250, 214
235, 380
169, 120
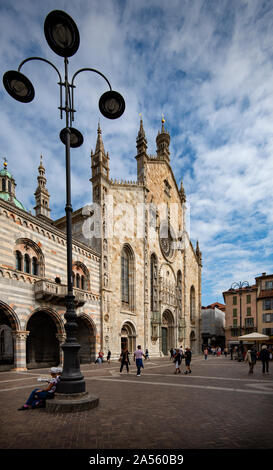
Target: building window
235, 322
27, 263
154, 287
80, 276
167, 188
29, 257
268, 318
268, 304
235, 312
3, 185
248, 299
18, 260
234, 300
268, 285
127, 278
192, 304
248, 310
268, 331
249, 322
34, 266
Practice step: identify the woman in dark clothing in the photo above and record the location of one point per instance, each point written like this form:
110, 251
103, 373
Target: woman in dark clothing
188, 360
124, 359
264, 356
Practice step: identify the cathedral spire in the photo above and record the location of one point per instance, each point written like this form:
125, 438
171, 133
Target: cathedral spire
163, 142
198, 253
182, 192
141, 157
41, 194
99, 144
99, 161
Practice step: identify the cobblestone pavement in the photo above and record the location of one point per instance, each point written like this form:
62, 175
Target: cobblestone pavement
218, 406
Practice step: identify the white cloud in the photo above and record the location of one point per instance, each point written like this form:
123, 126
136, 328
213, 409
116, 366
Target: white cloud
206, 65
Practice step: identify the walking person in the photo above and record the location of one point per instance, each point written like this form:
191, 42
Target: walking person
171, 352
124, 359
188, 355
178, 360
206, 353
251, 357
108, 356
264, 356
38, 397
138, 358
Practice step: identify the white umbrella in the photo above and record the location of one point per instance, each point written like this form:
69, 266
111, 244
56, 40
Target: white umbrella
254, 337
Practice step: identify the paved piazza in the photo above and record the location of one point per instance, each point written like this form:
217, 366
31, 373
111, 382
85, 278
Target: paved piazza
218, 406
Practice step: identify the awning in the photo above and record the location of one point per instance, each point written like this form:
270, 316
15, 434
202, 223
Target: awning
253, 337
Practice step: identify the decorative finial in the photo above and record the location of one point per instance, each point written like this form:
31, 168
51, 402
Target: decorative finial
5, 163
162, 121
99, 129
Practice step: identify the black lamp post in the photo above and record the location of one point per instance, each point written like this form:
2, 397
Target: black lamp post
63, 37
240, 286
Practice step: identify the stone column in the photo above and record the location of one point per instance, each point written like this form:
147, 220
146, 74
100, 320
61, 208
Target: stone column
20, 339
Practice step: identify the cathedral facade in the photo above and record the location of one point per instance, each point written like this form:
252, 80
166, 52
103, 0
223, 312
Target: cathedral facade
137, 276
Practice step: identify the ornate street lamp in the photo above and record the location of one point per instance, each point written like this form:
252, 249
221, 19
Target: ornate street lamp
240, 286
63, 38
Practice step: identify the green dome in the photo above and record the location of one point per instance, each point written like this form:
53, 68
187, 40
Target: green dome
5, 172
6, 197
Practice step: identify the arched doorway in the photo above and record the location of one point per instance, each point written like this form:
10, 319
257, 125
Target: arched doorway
7, 327
167, 332
86, 336
128, 337
192, 341
6, 343
42, 344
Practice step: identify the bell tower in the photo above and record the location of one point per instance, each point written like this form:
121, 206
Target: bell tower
162, 143
41, 194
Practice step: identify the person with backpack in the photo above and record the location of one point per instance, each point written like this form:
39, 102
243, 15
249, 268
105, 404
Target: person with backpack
264, 356
124, 360
188, 355
177, 360
251, 358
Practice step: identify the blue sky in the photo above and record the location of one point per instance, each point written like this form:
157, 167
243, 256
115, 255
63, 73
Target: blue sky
206, 65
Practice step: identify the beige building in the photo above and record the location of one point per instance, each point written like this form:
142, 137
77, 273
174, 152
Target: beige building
256, 306
241, 313
137, 276
265, 304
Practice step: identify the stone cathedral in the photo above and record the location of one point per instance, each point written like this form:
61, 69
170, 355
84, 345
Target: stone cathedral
136, 274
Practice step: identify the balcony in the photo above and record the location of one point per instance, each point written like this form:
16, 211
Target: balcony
52, 292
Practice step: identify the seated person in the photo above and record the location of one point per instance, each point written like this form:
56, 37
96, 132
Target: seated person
38, 397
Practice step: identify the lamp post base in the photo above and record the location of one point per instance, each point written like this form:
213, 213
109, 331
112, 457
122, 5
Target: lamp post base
69, 403
71, 380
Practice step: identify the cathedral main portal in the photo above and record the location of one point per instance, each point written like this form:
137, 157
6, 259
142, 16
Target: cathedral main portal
167, 332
